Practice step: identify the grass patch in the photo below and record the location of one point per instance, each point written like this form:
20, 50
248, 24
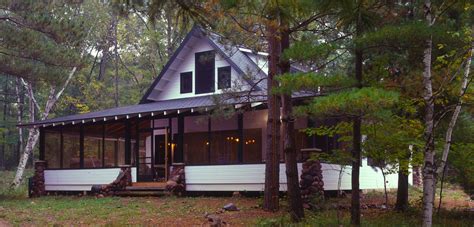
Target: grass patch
17, 209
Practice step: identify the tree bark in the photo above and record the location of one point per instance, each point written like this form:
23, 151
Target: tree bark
402, 190
457, 111
452, 123
272, 154
288, 120
356, 134
116, 95
4, 133
428, 162
20, 100
356, 156
33, 133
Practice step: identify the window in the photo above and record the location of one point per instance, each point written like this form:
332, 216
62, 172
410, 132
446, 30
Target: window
186, 80
205, 72
223, 77
114, 153
52, 146
196, 140
224, 140
255, 125
93, 146
71, 147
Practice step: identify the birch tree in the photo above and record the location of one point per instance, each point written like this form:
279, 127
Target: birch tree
33, 133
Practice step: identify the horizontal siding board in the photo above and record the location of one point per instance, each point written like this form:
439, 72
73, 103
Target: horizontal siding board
80, 179
252, 177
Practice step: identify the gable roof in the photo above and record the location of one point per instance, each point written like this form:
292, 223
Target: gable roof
239, 61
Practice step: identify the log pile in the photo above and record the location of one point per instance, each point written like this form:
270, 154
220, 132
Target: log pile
123, 180
38, 187
176, 183
311, 183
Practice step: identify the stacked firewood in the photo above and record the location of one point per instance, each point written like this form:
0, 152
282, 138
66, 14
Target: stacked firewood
123, 180
38, 188
176, 183
312, 185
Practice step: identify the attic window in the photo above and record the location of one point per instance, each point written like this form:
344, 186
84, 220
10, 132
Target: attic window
205, 72
186, 80
223, 77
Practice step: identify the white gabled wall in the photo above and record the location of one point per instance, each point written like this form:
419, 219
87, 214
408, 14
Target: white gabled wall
171, 89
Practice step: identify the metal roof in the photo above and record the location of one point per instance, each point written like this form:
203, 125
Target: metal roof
153, 108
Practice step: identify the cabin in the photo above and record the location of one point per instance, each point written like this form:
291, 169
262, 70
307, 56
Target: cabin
175, 127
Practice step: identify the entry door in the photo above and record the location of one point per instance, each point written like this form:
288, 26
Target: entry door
153, 155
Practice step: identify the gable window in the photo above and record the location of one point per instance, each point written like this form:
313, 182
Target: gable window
205, 67
223, 77
186, 82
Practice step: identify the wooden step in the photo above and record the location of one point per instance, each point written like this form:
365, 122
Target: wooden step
146, 186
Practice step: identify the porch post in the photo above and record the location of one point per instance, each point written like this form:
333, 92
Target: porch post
179, 153
137, 141
81, 147
240, 149
209, 140
41, 144
128, 143
61, 148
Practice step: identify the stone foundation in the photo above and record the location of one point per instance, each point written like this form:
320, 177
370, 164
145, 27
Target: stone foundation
176, 183
311, 183
38, 188
123, 180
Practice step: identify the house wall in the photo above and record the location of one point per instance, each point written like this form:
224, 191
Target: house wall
172, 90
81, 179
252, 177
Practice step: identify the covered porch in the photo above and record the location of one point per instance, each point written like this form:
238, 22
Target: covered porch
155, 138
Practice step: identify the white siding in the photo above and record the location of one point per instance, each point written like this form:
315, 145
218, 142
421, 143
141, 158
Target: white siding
170, 84
81, 179
252, 177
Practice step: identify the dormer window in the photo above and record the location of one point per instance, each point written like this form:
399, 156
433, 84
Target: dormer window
223, 77
186, 82
205, 71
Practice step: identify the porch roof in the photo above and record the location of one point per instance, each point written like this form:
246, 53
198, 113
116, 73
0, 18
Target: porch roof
153, 108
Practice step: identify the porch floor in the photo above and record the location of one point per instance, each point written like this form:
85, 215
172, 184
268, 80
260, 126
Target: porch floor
146, 186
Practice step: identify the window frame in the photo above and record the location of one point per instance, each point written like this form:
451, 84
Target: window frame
222, 78
185, 77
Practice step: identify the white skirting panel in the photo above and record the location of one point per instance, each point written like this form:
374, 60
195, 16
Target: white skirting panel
252, 177
81, 179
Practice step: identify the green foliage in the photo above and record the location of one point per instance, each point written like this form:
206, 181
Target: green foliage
461, 160
311, 81
355, 102
41, 40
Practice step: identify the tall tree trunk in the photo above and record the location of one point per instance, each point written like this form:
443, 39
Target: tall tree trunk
4, 133
457, 111
20, 100
288, 120
33, 133
357, 133
116, 96
452, 123
106, 44
402, 190
356, 146
272, 154
428, 162
356, 156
